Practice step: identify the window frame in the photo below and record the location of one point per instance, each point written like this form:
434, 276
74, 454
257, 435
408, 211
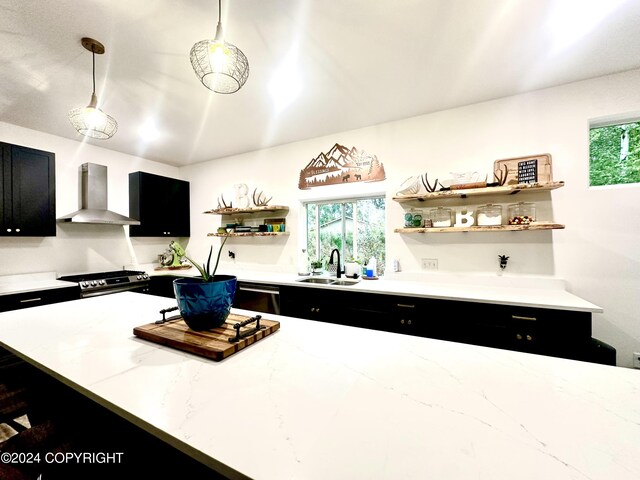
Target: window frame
604, 122
341, 200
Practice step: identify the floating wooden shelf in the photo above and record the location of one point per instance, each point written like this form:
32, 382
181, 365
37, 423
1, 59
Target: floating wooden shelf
234, 211
472, 192
497, 228
248, 234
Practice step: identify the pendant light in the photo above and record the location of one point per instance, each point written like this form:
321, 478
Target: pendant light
90, 120
220, 66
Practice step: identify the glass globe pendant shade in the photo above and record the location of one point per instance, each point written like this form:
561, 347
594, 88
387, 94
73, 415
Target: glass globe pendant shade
93, 122
220, 66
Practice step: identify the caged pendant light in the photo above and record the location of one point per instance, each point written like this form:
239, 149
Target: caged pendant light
90, 120
220, 66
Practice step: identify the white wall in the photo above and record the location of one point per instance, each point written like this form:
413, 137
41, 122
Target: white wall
80, 248
597, 253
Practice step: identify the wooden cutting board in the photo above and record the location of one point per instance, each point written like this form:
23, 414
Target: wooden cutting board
213, 344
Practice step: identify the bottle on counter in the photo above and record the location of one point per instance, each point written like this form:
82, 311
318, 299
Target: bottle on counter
371, 268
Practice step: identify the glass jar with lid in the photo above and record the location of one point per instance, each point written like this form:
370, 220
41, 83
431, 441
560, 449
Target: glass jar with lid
413, 218
522, 213
441, 217
489, 215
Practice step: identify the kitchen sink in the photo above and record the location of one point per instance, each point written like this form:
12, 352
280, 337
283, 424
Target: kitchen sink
344, 282
327, 281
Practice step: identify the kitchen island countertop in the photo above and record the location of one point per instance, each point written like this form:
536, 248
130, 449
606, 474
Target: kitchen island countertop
318, 401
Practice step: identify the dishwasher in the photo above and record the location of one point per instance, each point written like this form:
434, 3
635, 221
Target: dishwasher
258, 297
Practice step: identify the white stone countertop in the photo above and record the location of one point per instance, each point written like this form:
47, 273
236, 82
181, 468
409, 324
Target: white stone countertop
523, 291
324, 401
31, 282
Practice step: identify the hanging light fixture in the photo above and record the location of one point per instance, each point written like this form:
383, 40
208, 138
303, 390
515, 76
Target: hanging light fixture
90, 120
220, 66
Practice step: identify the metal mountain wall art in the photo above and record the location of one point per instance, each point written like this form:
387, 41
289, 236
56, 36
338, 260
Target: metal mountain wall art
341, 166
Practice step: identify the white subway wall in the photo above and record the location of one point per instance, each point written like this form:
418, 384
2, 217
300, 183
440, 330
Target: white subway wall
597, 253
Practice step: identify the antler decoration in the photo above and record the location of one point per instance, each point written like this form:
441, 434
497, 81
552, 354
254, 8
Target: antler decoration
224, 205
430, 188
501, 177
261, 200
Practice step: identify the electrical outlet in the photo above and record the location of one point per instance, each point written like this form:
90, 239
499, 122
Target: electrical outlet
429, 263
636, 359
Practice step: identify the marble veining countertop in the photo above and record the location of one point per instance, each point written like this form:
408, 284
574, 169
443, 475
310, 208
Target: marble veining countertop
318, 401
527, 292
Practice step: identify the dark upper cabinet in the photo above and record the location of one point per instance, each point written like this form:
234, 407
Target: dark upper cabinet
27, 191
160, 203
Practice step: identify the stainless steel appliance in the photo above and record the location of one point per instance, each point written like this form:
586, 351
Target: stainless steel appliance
258, 297
103, 283
92, 199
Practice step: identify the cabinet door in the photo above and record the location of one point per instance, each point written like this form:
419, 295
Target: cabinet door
311, 303
161, 204
28, 192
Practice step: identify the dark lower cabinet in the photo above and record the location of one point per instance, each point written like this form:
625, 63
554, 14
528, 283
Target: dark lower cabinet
27, 192
162, 285
389, 313
558, 333
16, 301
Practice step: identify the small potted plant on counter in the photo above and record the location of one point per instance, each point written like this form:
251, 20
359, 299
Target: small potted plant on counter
316, 267
205, 301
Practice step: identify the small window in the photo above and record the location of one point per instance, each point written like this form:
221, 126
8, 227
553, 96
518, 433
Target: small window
614, 154
356, 227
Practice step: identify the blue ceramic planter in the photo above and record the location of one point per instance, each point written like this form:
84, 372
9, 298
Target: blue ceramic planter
205, 305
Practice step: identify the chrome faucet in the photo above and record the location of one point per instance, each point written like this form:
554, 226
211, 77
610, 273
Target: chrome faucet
338, 272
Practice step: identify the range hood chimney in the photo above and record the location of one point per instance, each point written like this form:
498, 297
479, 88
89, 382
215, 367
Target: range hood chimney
92, 197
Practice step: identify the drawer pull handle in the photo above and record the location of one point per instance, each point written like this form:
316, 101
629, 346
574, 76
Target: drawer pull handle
27, 300
518, 317
405, 305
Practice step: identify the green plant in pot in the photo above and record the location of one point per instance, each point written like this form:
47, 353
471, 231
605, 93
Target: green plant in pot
205, 301
316, 266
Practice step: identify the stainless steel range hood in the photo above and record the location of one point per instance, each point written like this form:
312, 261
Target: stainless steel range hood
92, 197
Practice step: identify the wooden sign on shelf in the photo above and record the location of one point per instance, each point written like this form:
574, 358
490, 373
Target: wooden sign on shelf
532, 169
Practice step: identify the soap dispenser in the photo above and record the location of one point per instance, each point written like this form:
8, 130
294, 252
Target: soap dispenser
371, 268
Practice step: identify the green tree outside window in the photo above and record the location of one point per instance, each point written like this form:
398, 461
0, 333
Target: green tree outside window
614, 154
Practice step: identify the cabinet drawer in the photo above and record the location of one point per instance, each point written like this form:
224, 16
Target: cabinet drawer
42, 297
534, 330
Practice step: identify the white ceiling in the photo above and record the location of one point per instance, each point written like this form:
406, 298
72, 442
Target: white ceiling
358, 63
